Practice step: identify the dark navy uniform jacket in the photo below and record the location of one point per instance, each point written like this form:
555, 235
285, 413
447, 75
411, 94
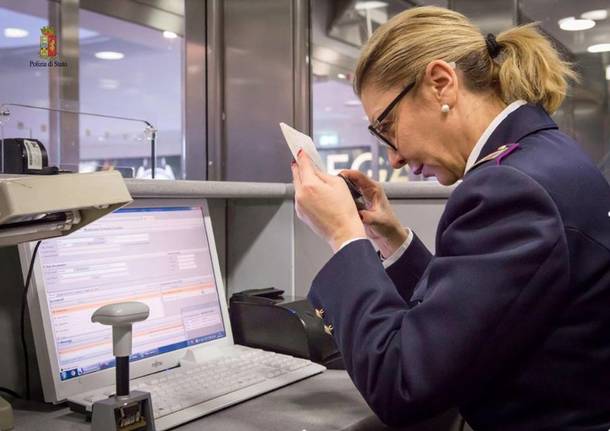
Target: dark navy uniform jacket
510, 320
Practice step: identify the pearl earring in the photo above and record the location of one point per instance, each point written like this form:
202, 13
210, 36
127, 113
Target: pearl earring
444, 108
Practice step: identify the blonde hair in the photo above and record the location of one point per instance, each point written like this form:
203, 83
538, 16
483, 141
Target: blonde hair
527, 67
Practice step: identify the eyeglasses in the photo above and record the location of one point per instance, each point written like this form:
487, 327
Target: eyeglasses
374, 128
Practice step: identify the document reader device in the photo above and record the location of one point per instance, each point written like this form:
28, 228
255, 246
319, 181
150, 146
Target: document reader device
34, 207
270, 320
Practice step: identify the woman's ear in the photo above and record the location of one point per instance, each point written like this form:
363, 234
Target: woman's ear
440, 77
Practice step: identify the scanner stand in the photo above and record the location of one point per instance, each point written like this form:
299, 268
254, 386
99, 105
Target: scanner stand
127, 410
131, 412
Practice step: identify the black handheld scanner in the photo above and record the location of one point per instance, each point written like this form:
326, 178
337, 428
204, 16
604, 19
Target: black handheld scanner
356, 195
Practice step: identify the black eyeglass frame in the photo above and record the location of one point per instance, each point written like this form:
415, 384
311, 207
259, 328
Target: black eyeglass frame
373, 127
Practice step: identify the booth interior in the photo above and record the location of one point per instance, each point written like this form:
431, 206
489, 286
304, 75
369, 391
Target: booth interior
260, 243
192, 92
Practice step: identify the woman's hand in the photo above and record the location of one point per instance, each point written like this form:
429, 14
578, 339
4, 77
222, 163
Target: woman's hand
324, 203
380, 221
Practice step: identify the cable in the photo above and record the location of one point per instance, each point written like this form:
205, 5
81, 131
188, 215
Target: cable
24, 301
10, 392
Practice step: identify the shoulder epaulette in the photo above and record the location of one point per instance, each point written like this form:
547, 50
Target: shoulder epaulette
497, 155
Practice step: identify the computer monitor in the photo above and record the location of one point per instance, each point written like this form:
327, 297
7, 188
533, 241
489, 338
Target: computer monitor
158, 252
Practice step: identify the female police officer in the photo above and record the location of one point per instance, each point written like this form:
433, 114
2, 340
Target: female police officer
509, 319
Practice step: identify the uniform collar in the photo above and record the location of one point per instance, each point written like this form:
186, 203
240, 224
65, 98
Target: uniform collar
476, 150
515, 122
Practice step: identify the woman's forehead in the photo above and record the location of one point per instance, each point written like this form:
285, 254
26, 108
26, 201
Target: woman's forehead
375, 100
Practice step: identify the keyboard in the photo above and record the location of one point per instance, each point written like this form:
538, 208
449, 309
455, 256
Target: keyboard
188, 392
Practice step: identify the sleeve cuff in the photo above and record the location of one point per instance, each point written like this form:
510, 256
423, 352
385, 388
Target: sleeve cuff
399, 251
349, 241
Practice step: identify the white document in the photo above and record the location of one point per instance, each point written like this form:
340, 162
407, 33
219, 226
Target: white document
297, 141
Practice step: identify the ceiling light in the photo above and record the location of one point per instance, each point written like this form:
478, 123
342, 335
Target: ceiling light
600, 47
595, 15
341, 75
353, 103
574, 24
169, 34
607, 73
328, 139
364, 5
108, 84
14, 32
109, 55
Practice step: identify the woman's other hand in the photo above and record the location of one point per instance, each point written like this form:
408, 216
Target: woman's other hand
324, 203
380, 221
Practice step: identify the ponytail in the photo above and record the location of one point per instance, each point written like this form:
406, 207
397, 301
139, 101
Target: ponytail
529, 68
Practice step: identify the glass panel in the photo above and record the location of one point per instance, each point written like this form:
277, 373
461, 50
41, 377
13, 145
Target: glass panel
341, 136
339, 123
22, 81
585, 114
123, 70
129, 70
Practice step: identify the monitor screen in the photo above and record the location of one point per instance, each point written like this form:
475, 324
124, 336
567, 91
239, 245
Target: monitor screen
159, 256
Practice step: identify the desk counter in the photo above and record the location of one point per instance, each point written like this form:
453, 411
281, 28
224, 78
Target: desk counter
325, 402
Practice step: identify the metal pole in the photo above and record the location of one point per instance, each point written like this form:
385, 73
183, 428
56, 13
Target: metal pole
302, 65
215, 61
122, 375
150, 131
195, 95
153, 150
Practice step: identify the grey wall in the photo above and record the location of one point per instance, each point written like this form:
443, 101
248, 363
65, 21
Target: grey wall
311, 253
11, 375
495, 17
218, 215
267, 245
258, 89
260, 245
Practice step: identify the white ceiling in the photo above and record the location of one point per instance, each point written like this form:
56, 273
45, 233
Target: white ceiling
549, 12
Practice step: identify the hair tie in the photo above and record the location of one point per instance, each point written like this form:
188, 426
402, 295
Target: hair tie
492, 45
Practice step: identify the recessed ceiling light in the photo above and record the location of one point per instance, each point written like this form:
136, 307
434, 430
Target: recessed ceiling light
364, 5
574, 24
600, 47
109, 55
14, 32
169, 34
595, 15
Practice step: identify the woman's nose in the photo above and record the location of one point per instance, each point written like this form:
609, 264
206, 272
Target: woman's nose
396, 160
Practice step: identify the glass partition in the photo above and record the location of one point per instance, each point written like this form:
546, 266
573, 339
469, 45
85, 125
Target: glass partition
130, 70
339, 30
59, 59
582, 31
